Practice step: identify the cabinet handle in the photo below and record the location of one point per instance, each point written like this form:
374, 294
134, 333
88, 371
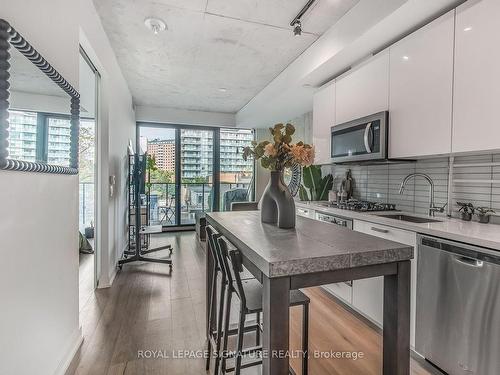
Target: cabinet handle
375, 229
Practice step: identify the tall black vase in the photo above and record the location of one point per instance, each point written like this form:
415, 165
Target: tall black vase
277, 205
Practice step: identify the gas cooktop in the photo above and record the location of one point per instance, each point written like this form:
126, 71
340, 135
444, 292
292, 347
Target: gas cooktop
361, 206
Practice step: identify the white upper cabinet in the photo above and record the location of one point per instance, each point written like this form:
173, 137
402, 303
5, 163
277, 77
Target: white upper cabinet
476, 124
323, 120
363, 91
421, 86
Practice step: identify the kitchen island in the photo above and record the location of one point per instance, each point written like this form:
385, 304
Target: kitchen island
312, 254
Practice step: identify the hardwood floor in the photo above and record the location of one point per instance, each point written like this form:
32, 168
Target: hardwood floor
86, 278
149, 311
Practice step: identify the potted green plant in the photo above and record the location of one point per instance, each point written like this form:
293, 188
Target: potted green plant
151, 167
483, 214
466, 210
315, 187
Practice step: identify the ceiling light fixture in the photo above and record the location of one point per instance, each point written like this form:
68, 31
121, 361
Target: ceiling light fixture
406, 58
468, 28
297, 28
296, 24
222, 89
156, 25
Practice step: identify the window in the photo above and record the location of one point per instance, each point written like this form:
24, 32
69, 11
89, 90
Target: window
59, 141
39, 137
22, 135
198, 169
236, 174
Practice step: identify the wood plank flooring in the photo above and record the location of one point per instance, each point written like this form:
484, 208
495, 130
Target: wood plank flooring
86, 278
147, 309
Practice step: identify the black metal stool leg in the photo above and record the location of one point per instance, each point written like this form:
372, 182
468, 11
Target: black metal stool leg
219, 328
305, 339
239, 346
225, 333
257, 332
210, 317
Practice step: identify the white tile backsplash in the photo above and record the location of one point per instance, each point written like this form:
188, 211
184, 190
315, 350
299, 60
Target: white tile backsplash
380, 183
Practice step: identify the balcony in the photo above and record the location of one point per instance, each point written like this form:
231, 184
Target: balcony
86, 204
194, 197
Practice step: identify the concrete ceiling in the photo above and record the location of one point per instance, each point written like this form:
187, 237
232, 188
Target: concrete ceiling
27, 78
370, 26
239, 45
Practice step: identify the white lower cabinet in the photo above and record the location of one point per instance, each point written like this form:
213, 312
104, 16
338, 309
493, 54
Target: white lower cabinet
341, 290
367, 294
367, 298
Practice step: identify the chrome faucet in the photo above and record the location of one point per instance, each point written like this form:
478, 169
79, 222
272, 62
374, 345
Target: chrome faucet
432, 207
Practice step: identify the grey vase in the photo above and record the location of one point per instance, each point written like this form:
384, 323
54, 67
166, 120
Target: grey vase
277, 205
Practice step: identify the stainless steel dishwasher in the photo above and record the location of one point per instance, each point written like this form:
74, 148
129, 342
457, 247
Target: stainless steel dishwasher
458, 306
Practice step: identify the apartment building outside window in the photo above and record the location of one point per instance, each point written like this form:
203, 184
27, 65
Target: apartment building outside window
196, 168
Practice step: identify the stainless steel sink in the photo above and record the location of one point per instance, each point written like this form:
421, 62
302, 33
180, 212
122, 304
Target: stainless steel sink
412, 219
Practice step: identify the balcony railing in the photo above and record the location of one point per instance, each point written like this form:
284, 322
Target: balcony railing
194, 197
86, 211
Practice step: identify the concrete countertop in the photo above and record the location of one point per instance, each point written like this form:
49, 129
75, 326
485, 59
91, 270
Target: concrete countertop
311, 246
474, 233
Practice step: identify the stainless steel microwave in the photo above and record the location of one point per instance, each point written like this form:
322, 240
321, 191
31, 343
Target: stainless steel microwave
364, 139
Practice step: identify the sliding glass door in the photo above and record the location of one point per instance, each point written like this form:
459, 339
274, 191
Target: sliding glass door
194, 170
159, 143
236, 175
196, 173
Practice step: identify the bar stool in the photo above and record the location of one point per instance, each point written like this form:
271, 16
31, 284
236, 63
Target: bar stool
249, 292
216, 337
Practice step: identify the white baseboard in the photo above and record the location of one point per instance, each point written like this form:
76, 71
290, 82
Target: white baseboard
113, 275
111, 278
75, 343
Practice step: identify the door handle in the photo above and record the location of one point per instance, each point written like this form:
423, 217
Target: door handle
375, 229
469, 261
365, 137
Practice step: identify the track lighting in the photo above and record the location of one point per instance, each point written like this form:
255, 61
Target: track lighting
296, 24
297, 28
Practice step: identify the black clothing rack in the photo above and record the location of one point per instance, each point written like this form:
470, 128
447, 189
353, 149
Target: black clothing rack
139, 240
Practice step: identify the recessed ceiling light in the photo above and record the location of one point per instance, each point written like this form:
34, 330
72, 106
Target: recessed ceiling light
222, 89
468, 28
406, 58
156, 25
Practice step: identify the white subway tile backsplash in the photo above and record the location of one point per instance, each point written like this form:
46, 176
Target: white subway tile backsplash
381, 183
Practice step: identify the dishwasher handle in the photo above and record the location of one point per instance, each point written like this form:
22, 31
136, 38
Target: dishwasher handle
380, 230
469, 261
462, 250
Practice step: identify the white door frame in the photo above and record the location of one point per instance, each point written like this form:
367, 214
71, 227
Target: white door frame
97, 177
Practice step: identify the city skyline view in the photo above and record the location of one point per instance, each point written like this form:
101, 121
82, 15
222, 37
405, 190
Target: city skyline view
197, 153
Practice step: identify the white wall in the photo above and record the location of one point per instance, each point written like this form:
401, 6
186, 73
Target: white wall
39, 226
39, 327
185, 117
116, 126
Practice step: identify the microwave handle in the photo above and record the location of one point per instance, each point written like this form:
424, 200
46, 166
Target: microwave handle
366, 137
